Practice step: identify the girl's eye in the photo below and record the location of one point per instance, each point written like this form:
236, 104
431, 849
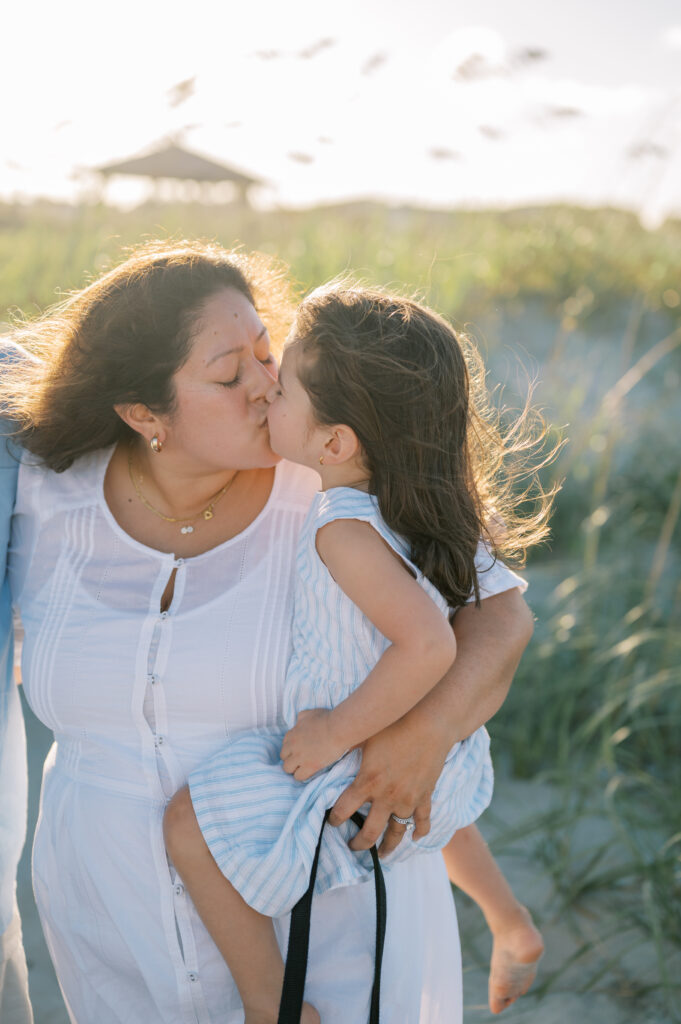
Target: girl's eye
230, 383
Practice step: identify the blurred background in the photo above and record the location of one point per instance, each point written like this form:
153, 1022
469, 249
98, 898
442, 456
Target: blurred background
520, 166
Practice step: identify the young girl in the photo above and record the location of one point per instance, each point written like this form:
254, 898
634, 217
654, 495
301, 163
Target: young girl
374, 393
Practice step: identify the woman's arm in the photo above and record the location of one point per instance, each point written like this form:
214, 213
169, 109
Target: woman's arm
401, 765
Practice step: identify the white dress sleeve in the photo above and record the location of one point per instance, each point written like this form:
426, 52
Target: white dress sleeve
493, 576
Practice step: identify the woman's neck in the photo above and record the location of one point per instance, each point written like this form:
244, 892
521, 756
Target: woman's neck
175, 484
173, 508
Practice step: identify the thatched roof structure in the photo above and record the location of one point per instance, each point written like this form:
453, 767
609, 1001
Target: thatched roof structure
172, 161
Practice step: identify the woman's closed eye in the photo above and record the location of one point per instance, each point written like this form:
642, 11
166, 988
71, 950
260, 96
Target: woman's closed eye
269, 361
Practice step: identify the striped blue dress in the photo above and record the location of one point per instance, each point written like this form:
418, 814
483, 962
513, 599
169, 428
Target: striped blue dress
260, 824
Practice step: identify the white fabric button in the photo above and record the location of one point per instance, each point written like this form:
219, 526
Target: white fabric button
193, 976
160, 741
179, 889
152, 679
164, 616
179, 562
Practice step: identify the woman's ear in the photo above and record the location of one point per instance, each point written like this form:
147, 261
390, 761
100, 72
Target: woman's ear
342, 446
141, 419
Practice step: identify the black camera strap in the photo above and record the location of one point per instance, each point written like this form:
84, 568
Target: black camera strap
295, 971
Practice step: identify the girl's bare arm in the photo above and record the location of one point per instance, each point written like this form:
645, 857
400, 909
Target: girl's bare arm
422, 647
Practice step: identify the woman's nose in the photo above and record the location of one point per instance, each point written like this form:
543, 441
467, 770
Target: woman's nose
263, 379
273, 392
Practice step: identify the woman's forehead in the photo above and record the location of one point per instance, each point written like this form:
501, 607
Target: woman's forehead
227, 323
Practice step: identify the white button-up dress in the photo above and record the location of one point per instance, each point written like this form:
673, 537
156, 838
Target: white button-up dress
137, 699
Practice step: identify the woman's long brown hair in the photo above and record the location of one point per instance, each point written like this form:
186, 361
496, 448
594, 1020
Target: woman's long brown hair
443, 471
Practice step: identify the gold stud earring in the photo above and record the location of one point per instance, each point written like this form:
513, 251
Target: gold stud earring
156, 444
321, 460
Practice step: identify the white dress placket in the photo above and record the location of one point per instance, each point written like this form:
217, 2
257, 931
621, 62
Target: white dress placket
165, 777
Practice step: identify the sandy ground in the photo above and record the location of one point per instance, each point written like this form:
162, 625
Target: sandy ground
620, 970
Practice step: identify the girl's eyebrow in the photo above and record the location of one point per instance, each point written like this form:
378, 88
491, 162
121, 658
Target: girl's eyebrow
231, 351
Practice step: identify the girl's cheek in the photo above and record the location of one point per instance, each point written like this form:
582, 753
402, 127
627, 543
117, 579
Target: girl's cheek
272, 418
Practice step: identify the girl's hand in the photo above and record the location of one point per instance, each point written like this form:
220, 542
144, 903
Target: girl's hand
310, 745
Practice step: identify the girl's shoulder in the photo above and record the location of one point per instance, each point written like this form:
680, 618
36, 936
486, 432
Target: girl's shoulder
349, 503
343, 503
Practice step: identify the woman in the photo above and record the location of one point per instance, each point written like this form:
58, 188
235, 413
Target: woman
152, 571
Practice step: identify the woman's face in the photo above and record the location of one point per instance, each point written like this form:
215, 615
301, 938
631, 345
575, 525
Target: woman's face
220, 418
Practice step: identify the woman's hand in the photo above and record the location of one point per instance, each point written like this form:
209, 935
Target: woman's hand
310, 745
399, 770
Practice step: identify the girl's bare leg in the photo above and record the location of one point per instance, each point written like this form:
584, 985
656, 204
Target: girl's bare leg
517, 944
244, 937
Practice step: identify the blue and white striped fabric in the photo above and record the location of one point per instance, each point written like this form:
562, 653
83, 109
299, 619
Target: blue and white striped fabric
260, 824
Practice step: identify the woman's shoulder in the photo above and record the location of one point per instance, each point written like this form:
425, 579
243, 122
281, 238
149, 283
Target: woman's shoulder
77, 486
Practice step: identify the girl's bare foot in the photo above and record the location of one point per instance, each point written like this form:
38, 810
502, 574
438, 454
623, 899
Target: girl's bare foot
516, 951
308, 1016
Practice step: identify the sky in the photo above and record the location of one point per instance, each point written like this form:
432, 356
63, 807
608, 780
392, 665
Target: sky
432, 102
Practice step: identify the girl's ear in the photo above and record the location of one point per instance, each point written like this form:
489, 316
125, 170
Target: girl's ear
141, 419
341, 446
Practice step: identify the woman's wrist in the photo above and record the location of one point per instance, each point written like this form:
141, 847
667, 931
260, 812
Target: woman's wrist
430, 724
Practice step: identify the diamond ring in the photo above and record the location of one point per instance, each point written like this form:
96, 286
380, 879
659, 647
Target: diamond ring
408, 822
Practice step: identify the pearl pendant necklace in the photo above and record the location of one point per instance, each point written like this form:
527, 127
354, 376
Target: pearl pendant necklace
188, 523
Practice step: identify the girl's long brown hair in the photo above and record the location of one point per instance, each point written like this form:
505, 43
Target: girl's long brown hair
121, 340
444, 472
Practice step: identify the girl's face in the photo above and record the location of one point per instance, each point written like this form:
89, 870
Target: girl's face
220, 418
293, 432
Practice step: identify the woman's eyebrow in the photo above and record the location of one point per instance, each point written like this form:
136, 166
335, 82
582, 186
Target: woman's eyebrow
227, 352
231, 351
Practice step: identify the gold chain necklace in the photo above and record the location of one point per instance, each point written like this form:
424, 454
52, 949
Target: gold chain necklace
188, 521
